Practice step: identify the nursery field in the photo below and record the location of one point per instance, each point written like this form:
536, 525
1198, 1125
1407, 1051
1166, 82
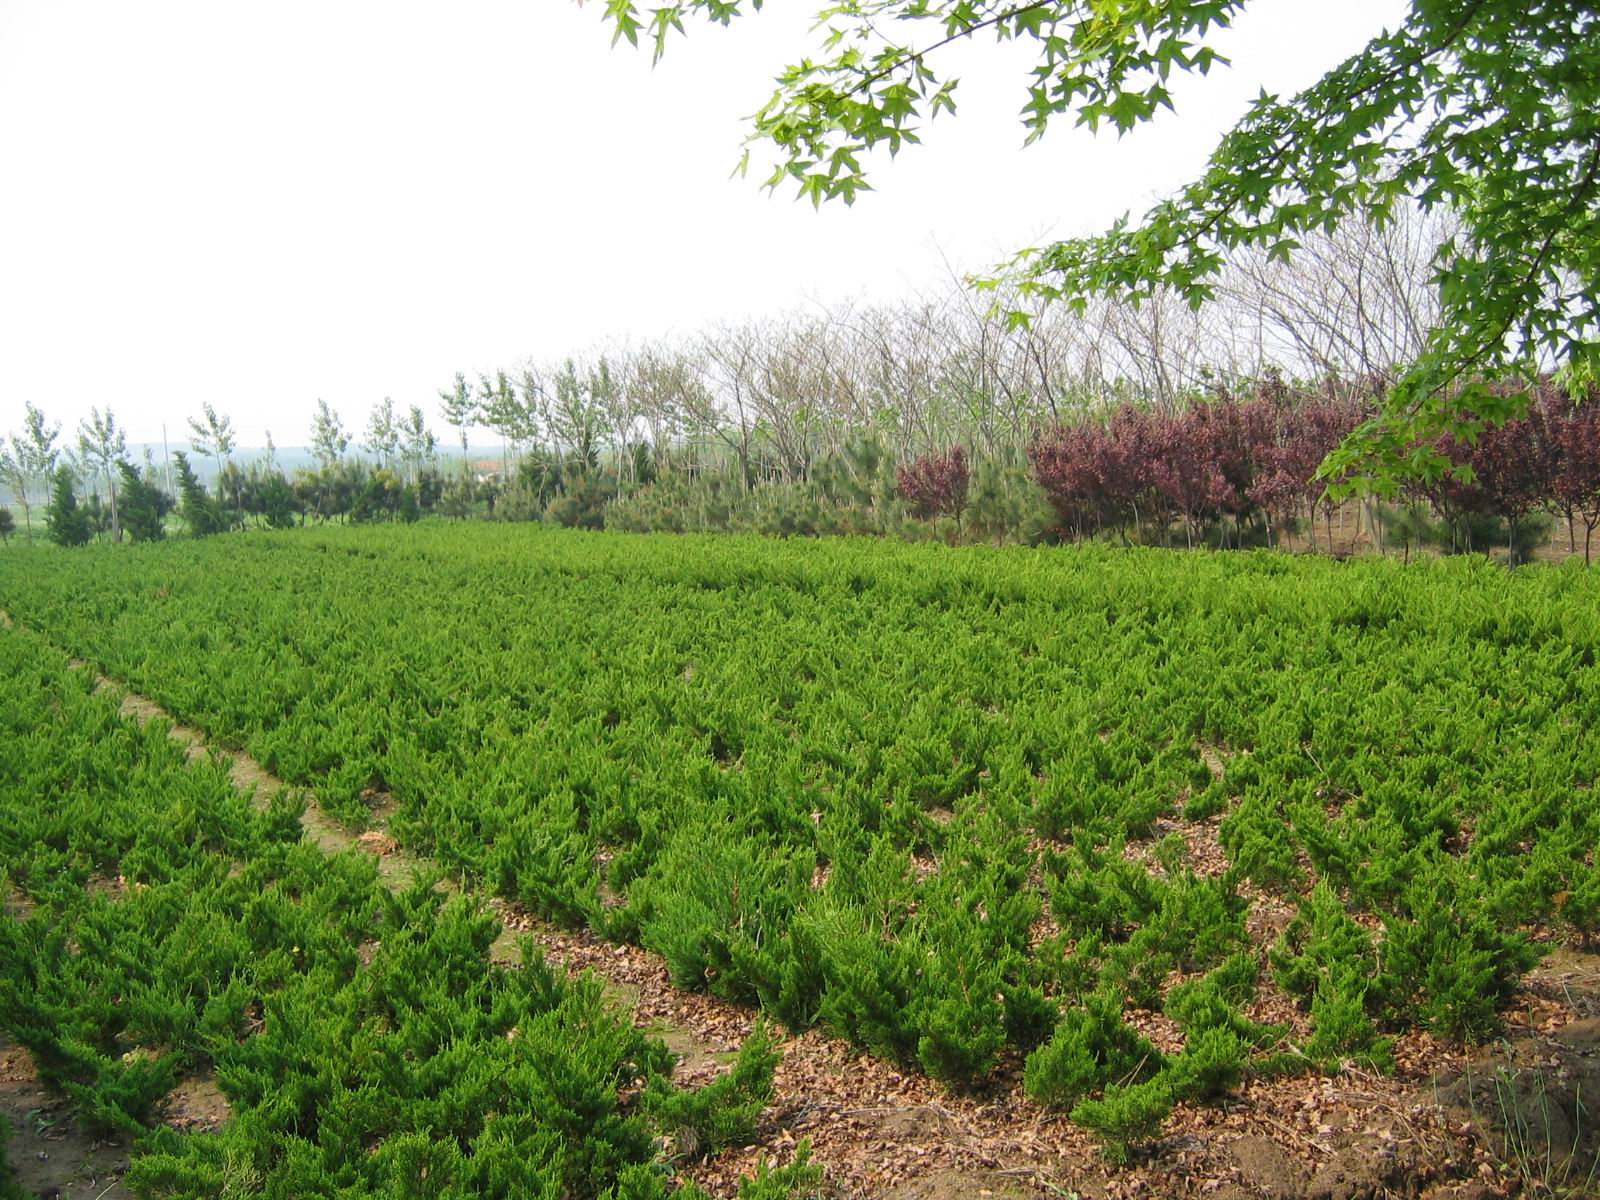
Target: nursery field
170, 939
1129, 826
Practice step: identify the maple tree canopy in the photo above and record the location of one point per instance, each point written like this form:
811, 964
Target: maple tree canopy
1488, 107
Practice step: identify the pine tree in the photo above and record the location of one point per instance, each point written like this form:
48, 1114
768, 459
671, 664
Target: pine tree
141, 506
69, 524
197, 508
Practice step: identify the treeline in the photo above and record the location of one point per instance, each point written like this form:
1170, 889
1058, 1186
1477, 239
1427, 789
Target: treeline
120, 499
1232, 468
936, 417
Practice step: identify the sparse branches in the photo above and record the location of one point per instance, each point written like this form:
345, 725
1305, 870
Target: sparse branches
383, 434
328, 437
458, 408
101, 445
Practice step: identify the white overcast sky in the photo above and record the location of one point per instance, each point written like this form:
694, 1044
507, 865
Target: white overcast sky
260, 204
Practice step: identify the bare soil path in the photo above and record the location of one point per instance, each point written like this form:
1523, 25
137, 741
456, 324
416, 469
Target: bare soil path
883, 1132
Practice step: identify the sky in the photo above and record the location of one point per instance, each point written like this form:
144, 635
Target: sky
260, 205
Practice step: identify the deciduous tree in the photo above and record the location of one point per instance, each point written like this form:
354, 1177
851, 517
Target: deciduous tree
328, 437
101, 445
34, 456
458, 408
935, 485
211, 434
1487, 108
383, 435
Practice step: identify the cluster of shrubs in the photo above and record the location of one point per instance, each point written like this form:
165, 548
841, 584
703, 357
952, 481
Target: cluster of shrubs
1242, 469
261, 497
364, 1041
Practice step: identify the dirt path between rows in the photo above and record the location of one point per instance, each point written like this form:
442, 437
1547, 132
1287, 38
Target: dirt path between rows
882, 1132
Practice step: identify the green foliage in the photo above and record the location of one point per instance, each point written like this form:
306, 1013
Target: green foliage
1327, 960
724, 1112
364, 1041
582, 501
1211, 1065
1498, 99
328, 437
814, 777
199, 511
69, 524
141, 506
275, 500
1219, 1041
798, 1179
1092, 1048
10, 1189
1341, 1027
1448, 966
1126, 1116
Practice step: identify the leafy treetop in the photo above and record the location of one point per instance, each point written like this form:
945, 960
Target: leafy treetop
1488, 107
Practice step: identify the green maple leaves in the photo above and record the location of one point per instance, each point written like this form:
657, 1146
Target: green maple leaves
1488, 107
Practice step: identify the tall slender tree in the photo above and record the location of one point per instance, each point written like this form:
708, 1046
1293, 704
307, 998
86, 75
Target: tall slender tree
383, 435
458, 408
576, 417
35, 456
101, 445
418, 445
504, 412
211, 434
328, 437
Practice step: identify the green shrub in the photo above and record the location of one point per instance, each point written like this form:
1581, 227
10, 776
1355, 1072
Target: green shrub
10, 1189
1258, 841
1450, 967
799, 1179
1091, 1047
1340, 1024
1126, 1116
724, 1112
1319, 939
1211, 1065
